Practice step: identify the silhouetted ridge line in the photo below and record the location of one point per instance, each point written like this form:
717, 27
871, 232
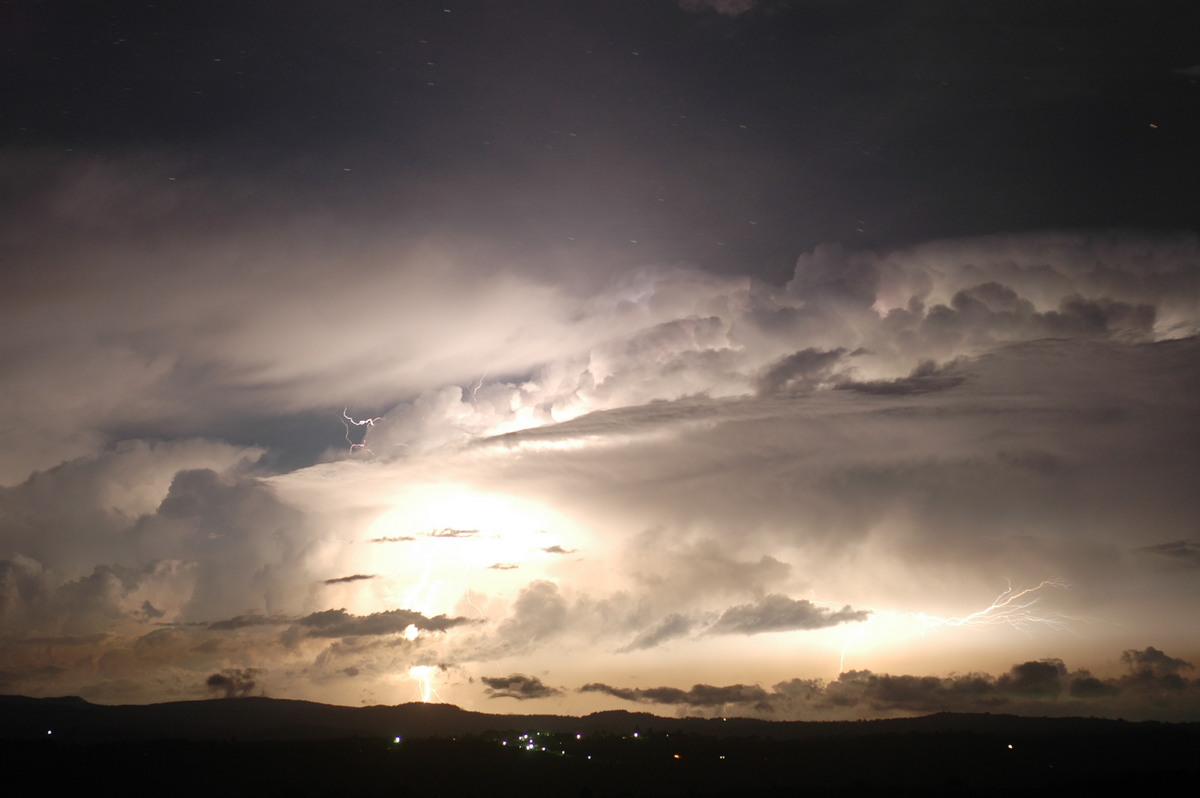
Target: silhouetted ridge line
73, 719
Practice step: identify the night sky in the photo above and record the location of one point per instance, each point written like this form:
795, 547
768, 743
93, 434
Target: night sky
804, 360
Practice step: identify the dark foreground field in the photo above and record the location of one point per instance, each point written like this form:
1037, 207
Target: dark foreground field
615, 754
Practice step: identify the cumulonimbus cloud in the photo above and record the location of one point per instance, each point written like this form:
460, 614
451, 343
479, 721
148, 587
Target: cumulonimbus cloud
1007, 406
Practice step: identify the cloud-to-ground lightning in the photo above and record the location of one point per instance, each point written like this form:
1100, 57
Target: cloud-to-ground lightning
366, 423
423, 674
1013, 608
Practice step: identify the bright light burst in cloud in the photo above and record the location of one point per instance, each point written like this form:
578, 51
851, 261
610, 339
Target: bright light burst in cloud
1017, 609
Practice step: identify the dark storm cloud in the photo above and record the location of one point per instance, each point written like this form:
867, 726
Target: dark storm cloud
990, 311
925, 378
23, 586
518, 686
1043, 685
351, 578
539, 612
91, 503
776, 613
149, 611
233, 682
1045, 678
971, 692
1150, 664
1085, 686
1185, 553
801, 372
700, 695
1035, 687
543, 615
204, 546
245, 621
669, 628
339, 623
678, 569
33, 600
65, 640
729, 8
242, 539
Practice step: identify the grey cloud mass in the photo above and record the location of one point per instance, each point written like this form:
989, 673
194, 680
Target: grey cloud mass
700, 695
233, 682
776, 613
518, 686
672, 626
730, 8
339, 623
1184, 553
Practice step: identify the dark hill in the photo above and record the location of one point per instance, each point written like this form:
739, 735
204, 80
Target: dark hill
264, 746
73, 719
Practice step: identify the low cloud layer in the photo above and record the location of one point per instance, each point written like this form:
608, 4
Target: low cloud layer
518, 686
1152, 686
701, 695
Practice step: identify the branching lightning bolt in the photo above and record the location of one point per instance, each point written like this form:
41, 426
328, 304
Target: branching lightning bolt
475, 390
366, 422
1010, 608
1013, 608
